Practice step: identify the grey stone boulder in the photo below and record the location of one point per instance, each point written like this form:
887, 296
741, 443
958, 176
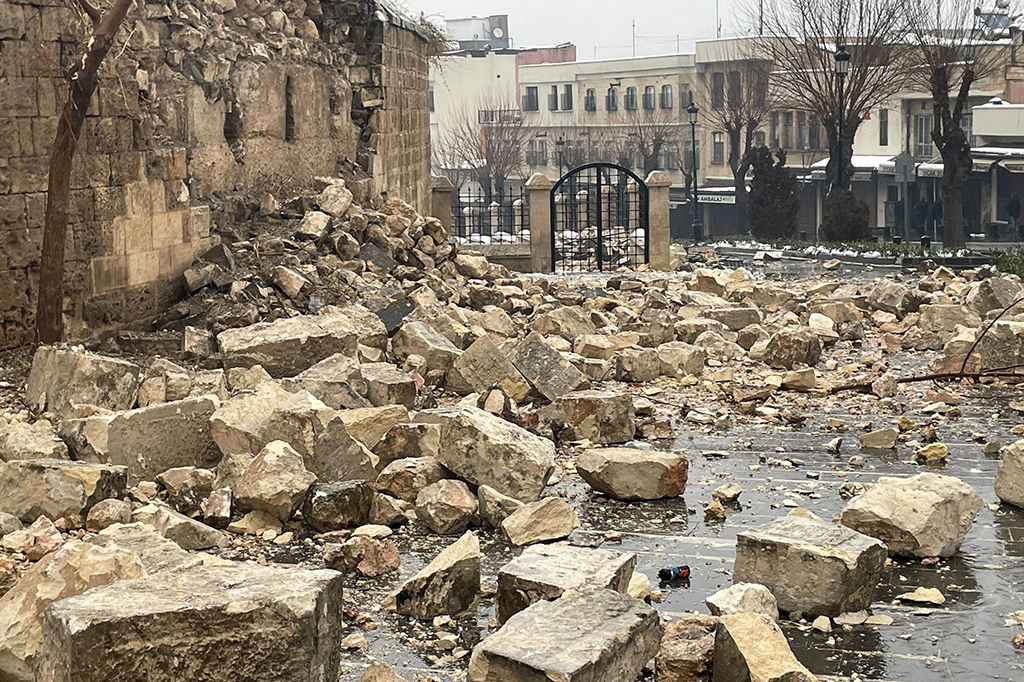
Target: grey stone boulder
1010, 476
63, 377
790, 348
548, 571
633, 474
483, 449
448, 585
600, 416
405, 478
247, 422
156, 552
387, 384
810, 566
482, 367
287, 346
276, 482
106, 513
568, 322
336, 381
547, 369
57, 488
679, 358
408, 441
920, 516
148, 440
495, 507
595, 635
446, 507
259, 623
187, 532
1002, 346
418, 338
335, 506
751, 646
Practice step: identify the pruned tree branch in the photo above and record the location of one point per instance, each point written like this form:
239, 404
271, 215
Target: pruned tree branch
90, 10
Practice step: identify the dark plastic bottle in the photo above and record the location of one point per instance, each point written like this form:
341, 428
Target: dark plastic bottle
674, 573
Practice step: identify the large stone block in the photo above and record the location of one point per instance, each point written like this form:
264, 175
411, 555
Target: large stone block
482, 367
247, 422
811, 566
71, 570
62, 377
921, 516
687, 651
448, 585
750, 647
546, 368
57, 488
21, 440
632, 474
290, 345
548, 571
148, 440
487, 450
1010, 477
337, 382
418, 338
595, 635
219, 623
600, 416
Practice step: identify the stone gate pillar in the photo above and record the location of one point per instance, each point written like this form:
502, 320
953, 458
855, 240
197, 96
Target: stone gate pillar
539, 188
441, 200
658, 226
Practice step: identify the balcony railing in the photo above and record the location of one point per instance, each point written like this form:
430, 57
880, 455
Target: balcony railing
495, 116
649, 100
590, 104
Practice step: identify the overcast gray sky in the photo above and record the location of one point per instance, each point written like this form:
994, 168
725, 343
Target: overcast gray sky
602, 24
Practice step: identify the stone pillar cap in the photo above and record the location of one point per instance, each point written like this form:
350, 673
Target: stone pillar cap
538, 181
440, 182
658, 178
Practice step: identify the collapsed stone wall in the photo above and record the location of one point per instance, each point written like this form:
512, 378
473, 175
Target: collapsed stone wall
202, 97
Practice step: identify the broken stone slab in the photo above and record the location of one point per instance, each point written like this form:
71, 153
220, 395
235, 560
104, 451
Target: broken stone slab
388, 385
313, 225
405, 478
993, 293
186, 532
378, 671
148, 440
633, 474
64, 377
337, 381
1010, 476
735, 319
743, 598
810, 566
483, 449
600, 416
549, 519
1002, 346
482, 367
569, 322
247, 422
545, 368
920, 516
448, 585
71, 570
106, 513
687, 652
178, 479
390, 511
637, 365
366, 556
595, 635
368, 425
57, 488
726, 493
679, 358
394, 314
882, 439
789, 348
156, 552
408, 441
546, 572
335, 506
255, 523
244, 621
36, 541
20, 440
287, 346
217, 511
751, 646
495, 507
418, 338
9, 523
276, 482
446, 507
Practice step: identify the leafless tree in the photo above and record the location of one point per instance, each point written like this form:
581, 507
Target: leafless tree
740, 100
801, 38
955, 50
82, 81
650, 134
484, 141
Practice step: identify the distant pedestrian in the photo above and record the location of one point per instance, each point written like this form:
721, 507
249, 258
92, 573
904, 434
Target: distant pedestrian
1013, 210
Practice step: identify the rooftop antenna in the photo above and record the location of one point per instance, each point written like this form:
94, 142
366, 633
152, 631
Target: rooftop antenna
634, 37
718, 22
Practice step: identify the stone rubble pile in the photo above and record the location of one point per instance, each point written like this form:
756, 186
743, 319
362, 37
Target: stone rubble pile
324, 387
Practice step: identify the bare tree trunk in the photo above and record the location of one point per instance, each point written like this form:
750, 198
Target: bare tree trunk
951, 140
956, 167
49, 323
832, 133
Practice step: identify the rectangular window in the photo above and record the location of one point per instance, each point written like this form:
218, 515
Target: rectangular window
759, 138
531, 153
923, 136
735, 89
542, 153
531, 100
666, 96
649, 97
787, 130
717, 147
685, 95
567, 98
967, 123
611, 101
773, 130
801, 130
631, 99
814, 134
883, 127
688, 157
430, 95
553, 99
717, 90
590, 102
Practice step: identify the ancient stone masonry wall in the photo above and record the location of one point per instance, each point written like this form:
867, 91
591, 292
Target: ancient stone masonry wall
206, 96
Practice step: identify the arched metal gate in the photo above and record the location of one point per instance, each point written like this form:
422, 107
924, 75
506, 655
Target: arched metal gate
599, 219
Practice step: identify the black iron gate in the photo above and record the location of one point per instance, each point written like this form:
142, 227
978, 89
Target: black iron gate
599, 219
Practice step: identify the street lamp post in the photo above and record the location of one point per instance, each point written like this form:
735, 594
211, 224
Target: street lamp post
842, 68
560, 146
698, 229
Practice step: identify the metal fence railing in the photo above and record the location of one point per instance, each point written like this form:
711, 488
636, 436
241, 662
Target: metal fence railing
482, 217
